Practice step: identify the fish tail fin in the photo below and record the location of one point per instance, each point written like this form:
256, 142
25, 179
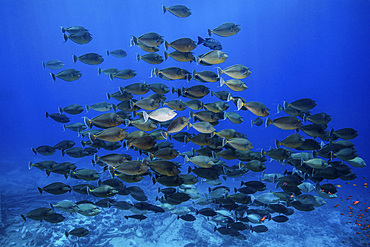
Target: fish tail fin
60, 110
222, 81
210, 32
224, 141
111, 171
92, 137
166, 45
191, 114
268, 122
304, 118
88, 190
277, 143
75, 58
87, 122
186, 159
253, 198
53, 76
111, 76
285, 105
132, 104
107, 53
186, 138
63, 29
64, 127
87, 108
99, 71
83, 143
96, 158
165, 55
154, 72
212, 93
189, 169
181, 91
154, 181
251, 122
138, 57
219, 71
108, 95
65, 37
164, 8
197, 59
188, 78
23, 217
194, 73
133, 41
114, 107
145, 116
30, 165
200, 40
126, 217
43, 65
51, 206
279, 108
40, 190
34, 151
121, 89
239, 104
127, 122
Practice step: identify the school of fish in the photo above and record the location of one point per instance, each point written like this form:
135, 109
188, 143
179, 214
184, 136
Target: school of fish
151, 126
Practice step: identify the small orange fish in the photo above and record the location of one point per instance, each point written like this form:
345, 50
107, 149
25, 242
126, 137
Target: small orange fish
341, 213
339, 186
358, 232
348, 183
263, 218
354, 184
356, 202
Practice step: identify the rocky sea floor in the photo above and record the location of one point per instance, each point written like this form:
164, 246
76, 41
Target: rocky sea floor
324, 226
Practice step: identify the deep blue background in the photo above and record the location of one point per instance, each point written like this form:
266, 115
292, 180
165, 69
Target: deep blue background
295, 49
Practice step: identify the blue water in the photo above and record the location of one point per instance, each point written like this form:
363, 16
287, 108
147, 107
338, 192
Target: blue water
295, 49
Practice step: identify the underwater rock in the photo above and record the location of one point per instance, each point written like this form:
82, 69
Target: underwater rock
139, 232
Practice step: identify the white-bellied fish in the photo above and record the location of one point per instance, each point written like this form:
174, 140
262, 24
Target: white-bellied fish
119, 53
225, 30
177, 10
53, 64
67, 75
